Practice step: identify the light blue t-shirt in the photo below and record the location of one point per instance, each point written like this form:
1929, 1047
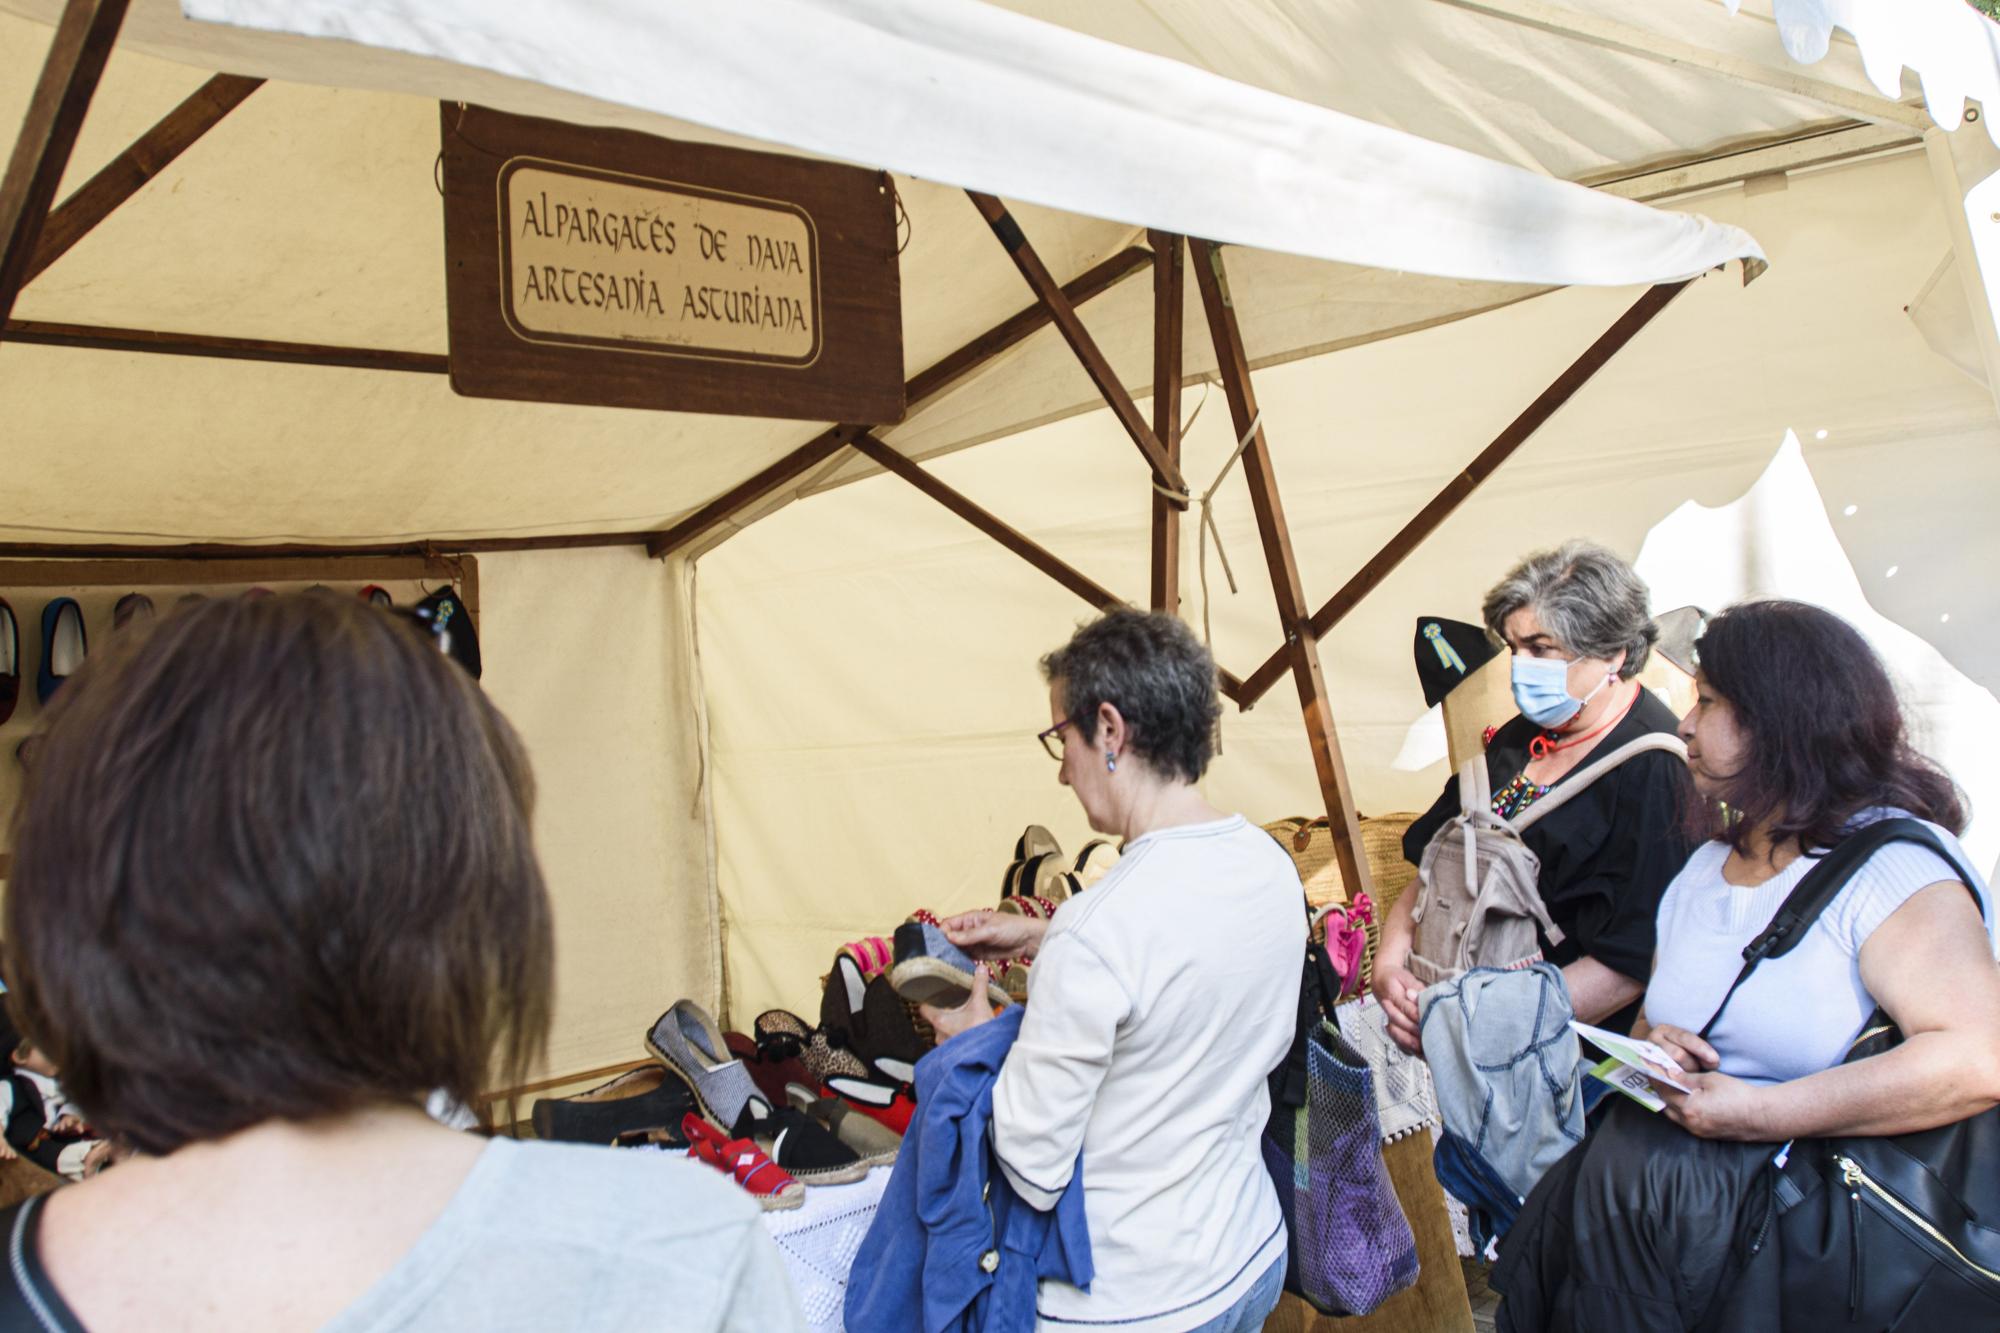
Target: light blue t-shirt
556, 1235
1796, 1015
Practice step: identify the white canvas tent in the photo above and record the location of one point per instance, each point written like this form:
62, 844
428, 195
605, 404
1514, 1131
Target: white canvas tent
800, 734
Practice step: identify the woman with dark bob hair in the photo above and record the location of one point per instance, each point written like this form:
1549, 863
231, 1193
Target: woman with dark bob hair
1160, 1001
1796, 742
274, 883
1580, 625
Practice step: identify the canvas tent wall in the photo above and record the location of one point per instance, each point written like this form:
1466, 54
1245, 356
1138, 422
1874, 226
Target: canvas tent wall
897, 769
308, 216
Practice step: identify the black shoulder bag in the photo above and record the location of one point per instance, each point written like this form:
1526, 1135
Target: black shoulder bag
1894, 1232
28, 1303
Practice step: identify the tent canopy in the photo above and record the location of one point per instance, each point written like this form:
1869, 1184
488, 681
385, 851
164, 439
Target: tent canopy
309, 214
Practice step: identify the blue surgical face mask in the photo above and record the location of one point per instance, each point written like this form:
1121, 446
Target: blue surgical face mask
1541, 690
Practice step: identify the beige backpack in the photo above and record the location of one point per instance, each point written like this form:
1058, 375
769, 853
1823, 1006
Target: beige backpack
1479, 900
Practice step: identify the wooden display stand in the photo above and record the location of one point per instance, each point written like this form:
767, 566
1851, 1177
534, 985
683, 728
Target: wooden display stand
97, 584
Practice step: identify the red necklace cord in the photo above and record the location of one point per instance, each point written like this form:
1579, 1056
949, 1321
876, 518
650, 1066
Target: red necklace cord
1546, 744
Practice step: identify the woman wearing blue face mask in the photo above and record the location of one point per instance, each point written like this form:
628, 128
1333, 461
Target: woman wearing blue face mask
1580, 628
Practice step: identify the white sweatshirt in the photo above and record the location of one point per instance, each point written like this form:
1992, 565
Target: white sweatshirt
1160, 1001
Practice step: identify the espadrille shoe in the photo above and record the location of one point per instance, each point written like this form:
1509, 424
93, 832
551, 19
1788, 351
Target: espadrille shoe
809, 1152
930, 969
659, 1140
1035, 841
871, 954
885, 1104
771, 1068
653, 1097
753, 1169
687, 1040
874, 1142
10, 660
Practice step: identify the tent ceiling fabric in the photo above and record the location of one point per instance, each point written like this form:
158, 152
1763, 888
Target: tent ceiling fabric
1953, 51
310, 214
973, 95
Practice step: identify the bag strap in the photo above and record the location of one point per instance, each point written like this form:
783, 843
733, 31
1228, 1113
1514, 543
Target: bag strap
1574, 784
1823, 883
1475, 802
28, 1303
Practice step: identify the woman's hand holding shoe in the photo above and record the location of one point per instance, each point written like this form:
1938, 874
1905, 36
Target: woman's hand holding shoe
977, 1009
995, 935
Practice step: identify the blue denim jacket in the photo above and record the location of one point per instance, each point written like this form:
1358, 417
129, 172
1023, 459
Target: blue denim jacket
952, 1248
1507, 1067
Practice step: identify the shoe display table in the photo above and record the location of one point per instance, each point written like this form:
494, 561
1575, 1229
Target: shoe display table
819, 1240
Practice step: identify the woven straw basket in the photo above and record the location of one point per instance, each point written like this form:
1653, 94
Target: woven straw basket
1311, 846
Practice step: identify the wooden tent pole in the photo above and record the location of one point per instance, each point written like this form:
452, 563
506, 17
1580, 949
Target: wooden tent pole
1456, 491
1004, 533
1169, 285
75, 63
934, 380
789, 468
998, 529
101, 338
1008, 232
126, 174
1301, 645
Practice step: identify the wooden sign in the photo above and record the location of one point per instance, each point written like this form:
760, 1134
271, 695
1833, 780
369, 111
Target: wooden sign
619, 269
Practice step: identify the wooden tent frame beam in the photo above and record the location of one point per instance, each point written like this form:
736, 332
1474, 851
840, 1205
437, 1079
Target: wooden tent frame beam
98, 337
1301, 644
128, 173
75, 62
928, 384
1169, 287
1012, 538
1460, 488
1063, 313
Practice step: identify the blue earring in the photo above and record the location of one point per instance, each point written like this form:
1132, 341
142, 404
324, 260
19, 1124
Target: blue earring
1110, 762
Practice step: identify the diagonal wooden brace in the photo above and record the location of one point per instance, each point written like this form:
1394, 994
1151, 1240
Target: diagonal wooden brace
126, 174
926, 386
75, 63
1064, 316
1007, 535
1456, 491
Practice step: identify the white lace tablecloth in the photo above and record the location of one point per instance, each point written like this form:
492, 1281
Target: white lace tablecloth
819, 1239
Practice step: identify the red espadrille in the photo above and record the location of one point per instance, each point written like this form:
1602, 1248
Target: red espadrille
759, 1176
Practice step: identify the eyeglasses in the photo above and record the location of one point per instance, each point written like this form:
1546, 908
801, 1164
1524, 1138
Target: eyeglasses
1051, 739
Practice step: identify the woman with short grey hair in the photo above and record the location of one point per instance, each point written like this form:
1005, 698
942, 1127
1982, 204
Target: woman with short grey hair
1580, 626
1161, 1000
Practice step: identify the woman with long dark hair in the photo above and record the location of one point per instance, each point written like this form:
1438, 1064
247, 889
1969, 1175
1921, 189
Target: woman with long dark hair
1796, 742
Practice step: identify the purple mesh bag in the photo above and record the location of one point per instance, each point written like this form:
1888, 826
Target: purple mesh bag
1353, 1245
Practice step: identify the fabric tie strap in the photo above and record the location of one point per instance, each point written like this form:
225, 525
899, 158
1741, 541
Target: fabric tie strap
1206, 526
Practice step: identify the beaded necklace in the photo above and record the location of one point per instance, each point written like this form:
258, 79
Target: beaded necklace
1517, 796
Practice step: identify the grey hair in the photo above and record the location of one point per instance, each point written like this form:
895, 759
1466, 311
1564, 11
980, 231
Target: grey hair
1152, 669
1590, 601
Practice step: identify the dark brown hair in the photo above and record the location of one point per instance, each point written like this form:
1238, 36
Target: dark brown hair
274, 860
1824, 733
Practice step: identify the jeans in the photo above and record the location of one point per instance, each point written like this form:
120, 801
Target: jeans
1250, 1312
